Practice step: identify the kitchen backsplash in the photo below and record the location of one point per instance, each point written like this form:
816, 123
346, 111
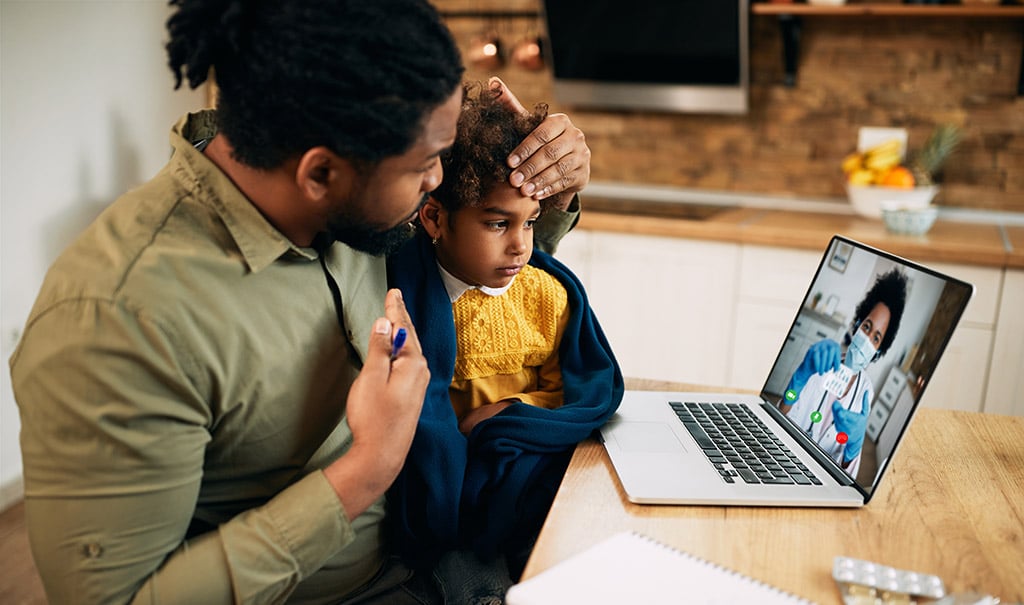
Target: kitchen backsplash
908, 72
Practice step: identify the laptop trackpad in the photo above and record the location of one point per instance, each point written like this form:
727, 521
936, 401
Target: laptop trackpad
647, 437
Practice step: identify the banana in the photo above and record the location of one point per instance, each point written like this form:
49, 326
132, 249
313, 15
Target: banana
853, 162
861, 177
883, 161
890, 146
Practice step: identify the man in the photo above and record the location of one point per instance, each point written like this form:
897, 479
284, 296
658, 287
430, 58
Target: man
210, 408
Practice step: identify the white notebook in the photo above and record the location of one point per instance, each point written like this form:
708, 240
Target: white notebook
631, 568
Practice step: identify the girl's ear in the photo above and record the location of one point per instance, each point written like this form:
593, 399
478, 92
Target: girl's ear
432, 215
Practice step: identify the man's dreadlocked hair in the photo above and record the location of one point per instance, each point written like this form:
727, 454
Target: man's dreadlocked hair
356, 76
478, 160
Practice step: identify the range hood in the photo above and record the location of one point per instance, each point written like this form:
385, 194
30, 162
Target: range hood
688, 56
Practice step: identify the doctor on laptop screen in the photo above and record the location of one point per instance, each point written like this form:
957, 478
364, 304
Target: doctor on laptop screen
829, 395
860, 352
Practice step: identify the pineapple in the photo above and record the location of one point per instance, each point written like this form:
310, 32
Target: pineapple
929, 160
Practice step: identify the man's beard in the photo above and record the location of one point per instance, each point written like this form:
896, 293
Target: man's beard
359, 235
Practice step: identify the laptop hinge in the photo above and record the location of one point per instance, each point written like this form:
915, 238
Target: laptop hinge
823, 459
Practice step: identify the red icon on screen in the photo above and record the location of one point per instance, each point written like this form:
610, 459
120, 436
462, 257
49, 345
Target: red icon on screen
842, 437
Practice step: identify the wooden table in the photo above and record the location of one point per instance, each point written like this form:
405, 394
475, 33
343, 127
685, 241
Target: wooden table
951, 504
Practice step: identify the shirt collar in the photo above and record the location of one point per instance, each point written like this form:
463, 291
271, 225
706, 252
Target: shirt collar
259, 242
456, 287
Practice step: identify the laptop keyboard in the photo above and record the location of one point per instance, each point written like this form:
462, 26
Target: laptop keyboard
738, 444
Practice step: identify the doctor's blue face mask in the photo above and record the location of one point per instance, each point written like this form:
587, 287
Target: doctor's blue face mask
860, 352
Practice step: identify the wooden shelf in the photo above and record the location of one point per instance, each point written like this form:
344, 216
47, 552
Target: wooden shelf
790, 21
889, 10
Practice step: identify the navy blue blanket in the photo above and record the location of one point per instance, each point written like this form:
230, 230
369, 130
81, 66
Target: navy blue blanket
486, 490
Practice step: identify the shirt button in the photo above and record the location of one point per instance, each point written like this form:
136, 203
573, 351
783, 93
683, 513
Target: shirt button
93, 550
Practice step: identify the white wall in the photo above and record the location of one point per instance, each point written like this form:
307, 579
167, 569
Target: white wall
86, 104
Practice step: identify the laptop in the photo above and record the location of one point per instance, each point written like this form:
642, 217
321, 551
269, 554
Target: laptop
850, 372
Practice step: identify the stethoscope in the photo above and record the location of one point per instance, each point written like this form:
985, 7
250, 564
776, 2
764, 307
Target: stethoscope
824, 396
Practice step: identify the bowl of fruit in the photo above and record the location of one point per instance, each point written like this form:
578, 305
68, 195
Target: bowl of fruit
881, 176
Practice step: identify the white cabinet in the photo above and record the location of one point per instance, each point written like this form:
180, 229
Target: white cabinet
1005, 392
959, 381
574, 252
772, 284
666, 304
760, 329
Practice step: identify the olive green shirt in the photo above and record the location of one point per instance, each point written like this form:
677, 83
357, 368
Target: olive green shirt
182, 381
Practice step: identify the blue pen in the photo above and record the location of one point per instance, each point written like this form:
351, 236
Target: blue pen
396, 346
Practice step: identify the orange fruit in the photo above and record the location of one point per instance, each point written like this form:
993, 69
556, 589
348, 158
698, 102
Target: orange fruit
899, 176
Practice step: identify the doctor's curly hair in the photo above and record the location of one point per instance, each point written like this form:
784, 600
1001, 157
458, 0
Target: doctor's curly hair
890, 289
478, 160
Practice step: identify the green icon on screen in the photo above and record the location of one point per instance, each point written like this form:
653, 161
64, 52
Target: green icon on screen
815, 416
790, 395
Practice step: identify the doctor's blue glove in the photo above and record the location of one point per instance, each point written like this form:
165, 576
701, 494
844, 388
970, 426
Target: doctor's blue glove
853, 424
823, 356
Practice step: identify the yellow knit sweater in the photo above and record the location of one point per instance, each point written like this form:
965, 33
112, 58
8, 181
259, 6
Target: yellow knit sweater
508, 344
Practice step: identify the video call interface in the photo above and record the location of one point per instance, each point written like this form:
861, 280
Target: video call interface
860, 352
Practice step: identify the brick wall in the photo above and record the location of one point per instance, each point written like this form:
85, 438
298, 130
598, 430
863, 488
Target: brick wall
853, 71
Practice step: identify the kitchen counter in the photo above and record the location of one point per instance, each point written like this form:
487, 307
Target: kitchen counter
998, 243
1015, 241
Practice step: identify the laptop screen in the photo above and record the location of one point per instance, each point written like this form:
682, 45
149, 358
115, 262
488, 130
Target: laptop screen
861, 351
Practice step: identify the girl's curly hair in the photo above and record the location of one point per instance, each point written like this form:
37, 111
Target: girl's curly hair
477, 162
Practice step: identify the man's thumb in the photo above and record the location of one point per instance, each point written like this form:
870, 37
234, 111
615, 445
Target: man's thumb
380, 342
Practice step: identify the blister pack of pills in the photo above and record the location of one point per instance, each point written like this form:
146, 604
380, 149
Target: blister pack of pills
836, 381
867, 583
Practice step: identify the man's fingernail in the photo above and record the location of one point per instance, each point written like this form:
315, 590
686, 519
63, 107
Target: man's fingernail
529, 189
516, 179
514, 160
382, 326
